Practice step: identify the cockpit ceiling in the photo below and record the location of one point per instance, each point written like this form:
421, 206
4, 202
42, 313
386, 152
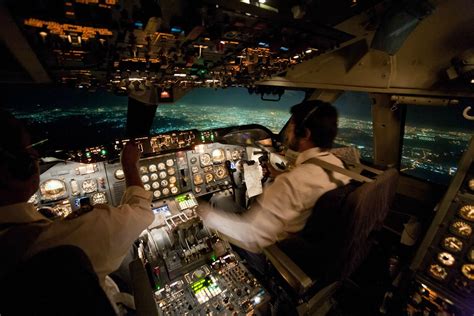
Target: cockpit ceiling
112, 44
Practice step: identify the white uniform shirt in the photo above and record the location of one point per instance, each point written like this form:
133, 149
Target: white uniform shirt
105, 234
282, 209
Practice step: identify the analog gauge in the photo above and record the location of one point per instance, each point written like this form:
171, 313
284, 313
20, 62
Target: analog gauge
157, 193
174, 190
172, 180
197, 190
145, 178
235, 155
152, 168
446, 258
171, 171
99, 198
164, 183
467, 212
221, 172
34, 199
197, 179
89, 185
143, 169
207, 169
470, 254
209, 177
470, 184
468, 271
155, 185
205, 160
119, 175
194, 169
461, 229
166, 191
438, 272
53, 189
153, 176
147, 187
193, 160
453, 244
218, 156
170, 162
161, 166
163, 174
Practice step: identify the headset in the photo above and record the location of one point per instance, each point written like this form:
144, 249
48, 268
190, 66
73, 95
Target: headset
22, 165
300, 129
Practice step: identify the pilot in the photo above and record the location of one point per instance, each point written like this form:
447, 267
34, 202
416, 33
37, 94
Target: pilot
105, 233
286, 204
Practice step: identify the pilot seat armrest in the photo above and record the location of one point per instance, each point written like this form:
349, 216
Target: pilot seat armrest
293, 274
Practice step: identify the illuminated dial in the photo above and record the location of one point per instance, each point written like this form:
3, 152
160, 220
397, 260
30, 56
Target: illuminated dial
119, 175
34, 199
197, 189
197, 179
461, 229
155, 185
453, 244
218, 156
235, 155
193, 160
468, 271
438, 272
152, 168
172, 180
52, 189
145, 178
157, 193
467, 212
99, 198
147, 187
446, 258
470, 254
170, 162
209, 177
164, 183
470, 184
89, 185
221, 172
174, 190
163, 174
166, 191
143, 169
171, 171
161, 166
194, 169
205, 159
153, 176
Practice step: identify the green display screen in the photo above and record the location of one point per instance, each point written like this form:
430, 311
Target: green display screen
201, 284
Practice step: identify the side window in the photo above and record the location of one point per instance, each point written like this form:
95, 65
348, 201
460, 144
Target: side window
435, 139
355, 123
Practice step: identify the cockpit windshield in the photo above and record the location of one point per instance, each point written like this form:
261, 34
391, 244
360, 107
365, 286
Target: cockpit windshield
79, 118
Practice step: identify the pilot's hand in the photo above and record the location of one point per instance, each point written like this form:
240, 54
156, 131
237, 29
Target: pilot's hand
269, 170
130, 155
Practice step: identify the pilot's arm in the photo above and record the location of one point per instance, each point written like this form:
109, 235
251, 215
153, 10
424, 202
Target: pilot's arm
106, 233
282, 208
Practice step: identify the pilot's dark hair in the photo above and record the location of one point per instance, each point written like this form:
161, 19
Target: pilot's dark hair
320, 118
13, 155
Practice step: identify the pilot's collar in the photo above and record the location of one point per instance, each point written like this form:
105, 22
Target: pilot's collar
19, 213
310, 153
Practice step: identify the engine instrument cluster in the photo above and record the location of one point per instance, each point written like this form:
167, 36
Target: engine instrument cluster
445, 259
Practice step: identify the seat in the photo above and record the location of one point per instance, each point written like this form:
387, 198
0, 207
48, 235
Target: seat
57, 281
338, 233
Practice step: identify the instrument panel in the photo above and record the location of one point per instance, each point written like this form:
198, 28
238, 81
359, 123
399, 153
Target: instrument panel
204, 169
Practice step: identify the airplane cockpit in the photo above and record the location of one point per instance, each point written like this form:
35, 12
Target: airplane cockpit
204, 89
